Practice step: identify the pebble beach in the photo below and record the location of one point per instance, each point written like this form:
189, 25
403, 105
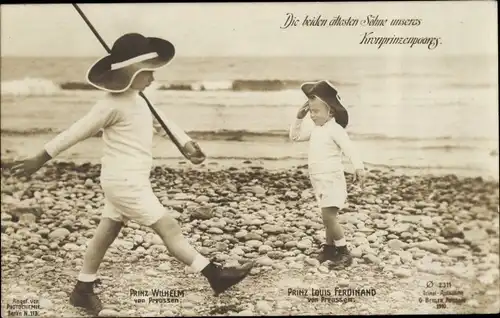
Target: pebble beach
404, 232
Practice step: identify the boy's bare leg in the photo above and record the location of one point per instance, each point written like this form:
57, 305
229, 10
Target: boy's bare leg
328, 251
83, 293
104, 236
336, 248
220, 279
171, 234
334, 231
328, 229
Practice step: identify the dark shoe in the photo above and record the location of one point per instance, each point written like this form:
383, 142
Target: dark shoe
221, 279
327, 253
83, 296
342, 258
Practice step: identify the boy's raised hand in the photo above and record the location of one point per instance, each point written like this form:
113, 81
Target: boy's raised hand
194, 153
303, 111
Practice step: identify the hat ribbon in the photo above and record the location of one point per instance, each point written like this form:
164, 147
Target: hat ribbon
133, 60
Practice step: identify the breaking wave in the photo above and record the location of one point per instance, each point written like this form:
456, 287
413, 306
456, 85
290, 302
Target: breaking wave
277, 135
30, 87
45, 87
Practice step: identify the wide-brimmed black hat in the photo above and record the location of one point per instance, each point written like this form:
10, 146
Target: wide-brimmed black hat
130, 54
325, 91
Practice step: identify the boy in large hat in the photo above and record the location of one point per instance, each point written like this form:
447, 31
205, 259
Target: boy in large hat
327, 141
127, 126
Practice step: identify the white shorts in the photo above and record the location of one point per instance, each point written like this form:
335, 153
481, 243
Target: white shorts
330, 189
128, 200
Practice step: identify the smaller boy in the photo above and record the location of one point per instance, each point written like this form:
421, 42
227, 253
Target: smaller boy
327, 141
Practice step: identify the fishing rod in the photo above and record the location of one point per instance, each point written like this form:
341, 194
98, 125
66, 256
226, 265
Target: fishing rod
158, 118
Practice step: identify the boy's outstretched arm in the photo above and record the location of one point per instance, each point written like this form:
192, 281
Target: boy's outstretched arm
100, 116
190, 147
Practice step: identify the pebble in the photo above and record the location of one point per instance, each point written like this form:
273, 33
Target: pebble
71, 247
472, 303
451, 230
372, 259
124, 244
426, 222
278, 244
275, 254
356, 252
489, 277
202, 199
406, 257
263, 306
164, 267
360, 241
272, 229
400, 228
432, 246
397, 296
312, 261
323, 269
279, 265
295, 265
253, 243
189, 312
6, 217
133, 225
59, 234
402, 272
255, 271
283, 304
27, 218
46, 303
458, 272
406, 235
215, 230
246, 312
395, 244
151, 272
303, 245
138, 239
475, 236
259, 191
252, 236
432, 268
202, 213
458, 253
290, 244
265, 261
264, 249
109, 313
237, 251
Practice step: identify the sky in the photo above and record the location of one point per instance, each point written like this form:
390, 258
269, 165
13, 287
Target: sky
249, 29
